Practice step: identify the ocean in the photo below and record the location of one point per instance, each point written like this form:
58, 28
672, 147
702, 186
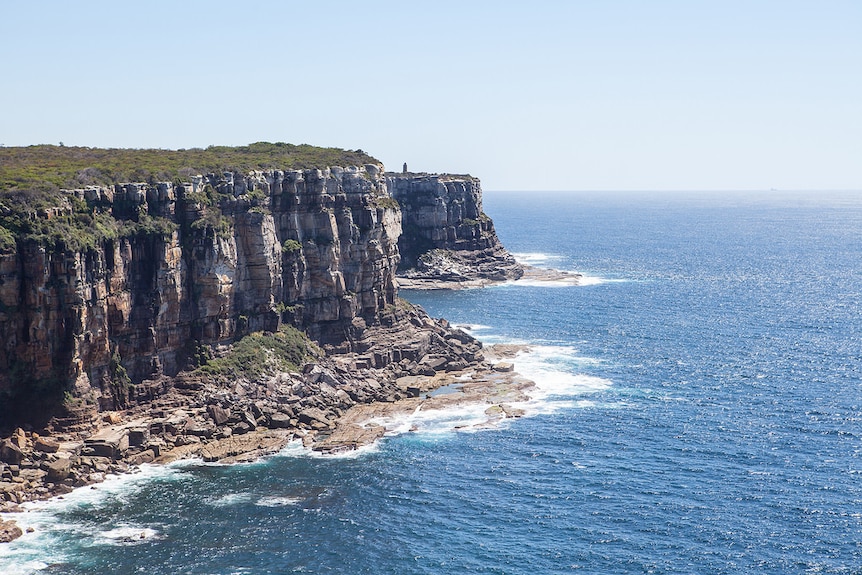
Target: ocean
698, 410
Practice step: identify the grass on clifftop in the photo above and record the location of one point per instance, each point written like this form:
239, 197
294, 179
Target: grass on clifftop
42, 166
31, 178
261, 354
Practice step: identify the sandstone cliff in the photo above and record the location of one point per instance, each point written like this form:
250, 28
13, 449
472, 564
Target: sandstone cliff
173, 319
447, 239
198, 263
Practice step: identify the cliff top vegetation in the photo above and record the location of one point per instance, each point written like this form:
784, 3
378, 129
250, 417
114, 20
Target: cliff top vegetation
31, 178
47, 166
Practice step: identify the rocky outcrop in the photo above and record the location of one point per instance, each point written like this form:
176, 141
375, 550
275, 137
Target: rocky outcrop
191, 265
447, 240
9, 531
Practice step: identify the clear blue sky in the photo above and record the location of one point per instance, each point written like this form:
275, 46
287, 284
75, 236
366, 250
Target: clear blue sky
538, 95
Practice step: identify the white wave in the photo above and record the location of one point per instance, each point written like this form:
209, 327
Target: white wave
127, 535
574, 282
556, 371
463, 417
277, 501
113, 487
41, 547
576, 279
472, 327
21, 566
296, 449
533, 258
231, 499
589, 280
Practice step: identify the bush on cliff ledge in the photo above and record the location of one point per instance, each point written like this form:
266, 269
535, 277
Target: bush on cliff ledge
261, 354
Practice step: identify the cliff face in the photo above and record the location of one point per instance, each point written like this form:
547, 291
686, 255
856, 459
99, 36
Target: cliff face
446, 235
230, 254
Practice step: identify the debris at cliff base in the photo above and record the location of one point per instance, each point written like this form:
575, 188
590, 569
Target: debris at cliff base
216, 417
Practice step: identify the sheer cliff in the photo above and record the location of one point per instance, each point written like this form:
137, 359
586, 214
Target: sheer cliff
162, 270
447, 239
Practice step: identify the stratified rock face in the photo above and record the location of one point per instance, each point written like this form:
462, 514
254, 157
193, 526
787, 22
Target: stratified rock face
241, 253
446, 235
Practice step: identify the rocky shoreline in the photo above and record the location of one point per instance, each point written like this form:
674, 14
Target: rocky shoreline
126, 323
338, 403
455, 281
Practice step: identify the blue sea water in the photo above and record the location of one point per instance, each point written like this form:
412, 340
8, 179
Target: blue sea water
699, 411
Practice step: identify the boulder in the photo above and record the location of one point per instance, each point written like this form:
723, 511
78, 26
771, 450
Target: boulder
314, 417
59, 470
248, 418
200, 429
219, 415
10, 453
19, 438
280, 421
138, 436
112, 418
145, 456
435, 363
240, 428
108, 443
9, 531
47, 445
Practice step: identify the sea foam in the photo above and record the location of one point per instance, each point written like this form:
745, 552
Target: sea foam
126, 535
272, 501
535, 258
49, 527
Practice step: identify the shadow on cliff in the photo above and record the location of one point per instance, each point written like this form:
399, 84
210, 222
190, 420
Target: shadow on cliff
31, 401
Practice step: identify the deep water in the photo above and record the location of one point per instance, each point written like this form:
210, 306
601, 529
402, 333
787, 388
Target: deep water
700, 411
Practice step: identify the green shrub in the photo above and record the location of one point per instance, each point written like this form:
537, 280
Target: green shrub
7, 240
388, 202
214, 220
259, 355
290, 246
71, 167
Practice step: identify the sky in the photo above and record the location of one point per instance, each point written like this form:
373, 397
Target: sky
539, 95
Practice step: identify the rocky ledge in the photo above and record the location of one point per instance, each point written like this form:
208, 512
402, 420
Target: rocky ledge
340, 401
448, 280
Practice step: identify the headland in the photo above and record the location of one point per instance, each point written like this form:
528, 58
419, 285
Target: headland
224, 302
